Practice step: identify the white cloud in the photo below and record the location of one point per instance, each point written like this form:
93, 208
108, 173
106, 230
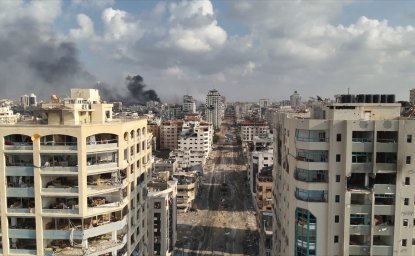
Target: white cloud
85, 30
119, 25
174, 71
193, 27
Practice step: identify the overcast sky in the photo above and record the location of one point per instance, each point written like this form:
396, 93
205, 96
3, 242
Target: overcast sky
247, 50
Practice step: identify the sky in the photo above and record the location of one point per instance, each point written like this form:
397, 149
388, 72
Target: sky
247, 50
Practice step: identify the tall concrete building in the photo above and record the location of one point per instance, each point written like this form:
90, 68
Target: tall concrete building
295, 100
215, 108
344, 179
74, 180
412, 96
189, 105
162, 234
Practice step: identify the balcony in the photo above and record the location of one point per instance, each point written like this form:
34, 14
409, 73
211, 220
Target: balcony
64, 147
102, 167
79, 234
362, 168
20, 206
18, 142
19, 170
385, 167
311, 195
382, 250
60, 170
384, 189
19, 146
62, 186
62, 205
22, 233
105, 187
109, 145
20, 192
359, 229
99, 245
359, 250
383, 230
384, 209
360, 209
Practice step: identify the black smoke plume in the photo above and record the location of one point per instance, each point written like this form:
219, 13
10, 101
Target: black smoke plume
33, 59
136, 95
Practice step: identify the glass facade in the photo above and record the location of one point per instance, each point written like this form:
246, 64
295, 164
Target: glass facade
305, 233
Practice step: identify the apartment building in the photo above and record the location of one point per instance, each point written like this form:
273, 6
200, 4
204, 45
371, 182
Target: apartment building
187, 187
344, 179
169, 134
264, 191
189, 105
162, 234
251, 128
7, 116
260, 155
75, 180
265, 233
195, 143
215, 108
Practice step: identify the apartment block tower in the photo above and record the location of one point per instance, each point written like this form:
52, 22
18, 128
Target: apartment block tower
344, 179
215, 108
162, 216
74, 180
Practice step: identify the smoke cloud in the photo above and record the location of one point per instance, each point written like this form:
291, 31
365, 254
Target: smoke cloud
32, 59
136, 93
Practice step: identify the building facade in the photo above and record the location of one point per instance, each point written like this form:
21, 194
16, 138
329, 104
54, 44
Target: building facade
343, 179
215, 108
75, 181
162, 234
295, 100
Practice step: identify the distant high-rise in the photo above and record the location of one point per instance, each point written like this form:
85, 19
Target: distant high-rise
24, 101
215, 108
412, 96
189, 105
295, 100
32, 100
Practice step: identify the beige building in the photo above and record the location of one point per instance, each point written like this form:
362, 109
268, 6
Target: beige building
187, 187
344, 179
7, 116
75, 180
169, 134
252, 128
162, 222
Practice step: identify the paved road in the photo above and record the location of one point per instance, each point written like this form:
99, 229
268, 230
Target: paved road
225, 222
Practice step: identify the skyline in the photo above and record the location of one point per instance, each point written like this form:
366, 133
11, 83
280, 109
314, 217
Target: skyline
246, 50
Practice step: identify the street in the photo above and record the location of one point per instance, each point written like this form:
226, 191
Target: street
224, 221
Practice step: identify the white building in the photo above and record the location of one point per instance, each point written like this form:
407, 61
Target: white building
295, 100
76, 182
215, 108
24, 101
194, 144
253, 128
162, 217
7, 116
344, 179
169, 134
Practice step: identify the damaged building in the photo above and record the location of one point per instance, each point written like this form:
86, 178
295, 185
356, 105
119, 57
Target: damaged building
75, 180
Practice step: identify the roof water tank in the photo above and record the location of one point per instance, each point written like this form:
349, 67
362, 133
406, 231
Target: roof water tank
391, 98
368, 98
360, 98
376, 98
383, 98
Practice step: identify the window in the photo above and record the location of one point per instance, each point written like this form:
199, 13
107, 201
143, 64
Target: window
407, 181
339, 137
336, 239
406, 201
403, 243
338, 158
337, 178
337, 199
409, 138
408, 159
336, 219
405, 222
